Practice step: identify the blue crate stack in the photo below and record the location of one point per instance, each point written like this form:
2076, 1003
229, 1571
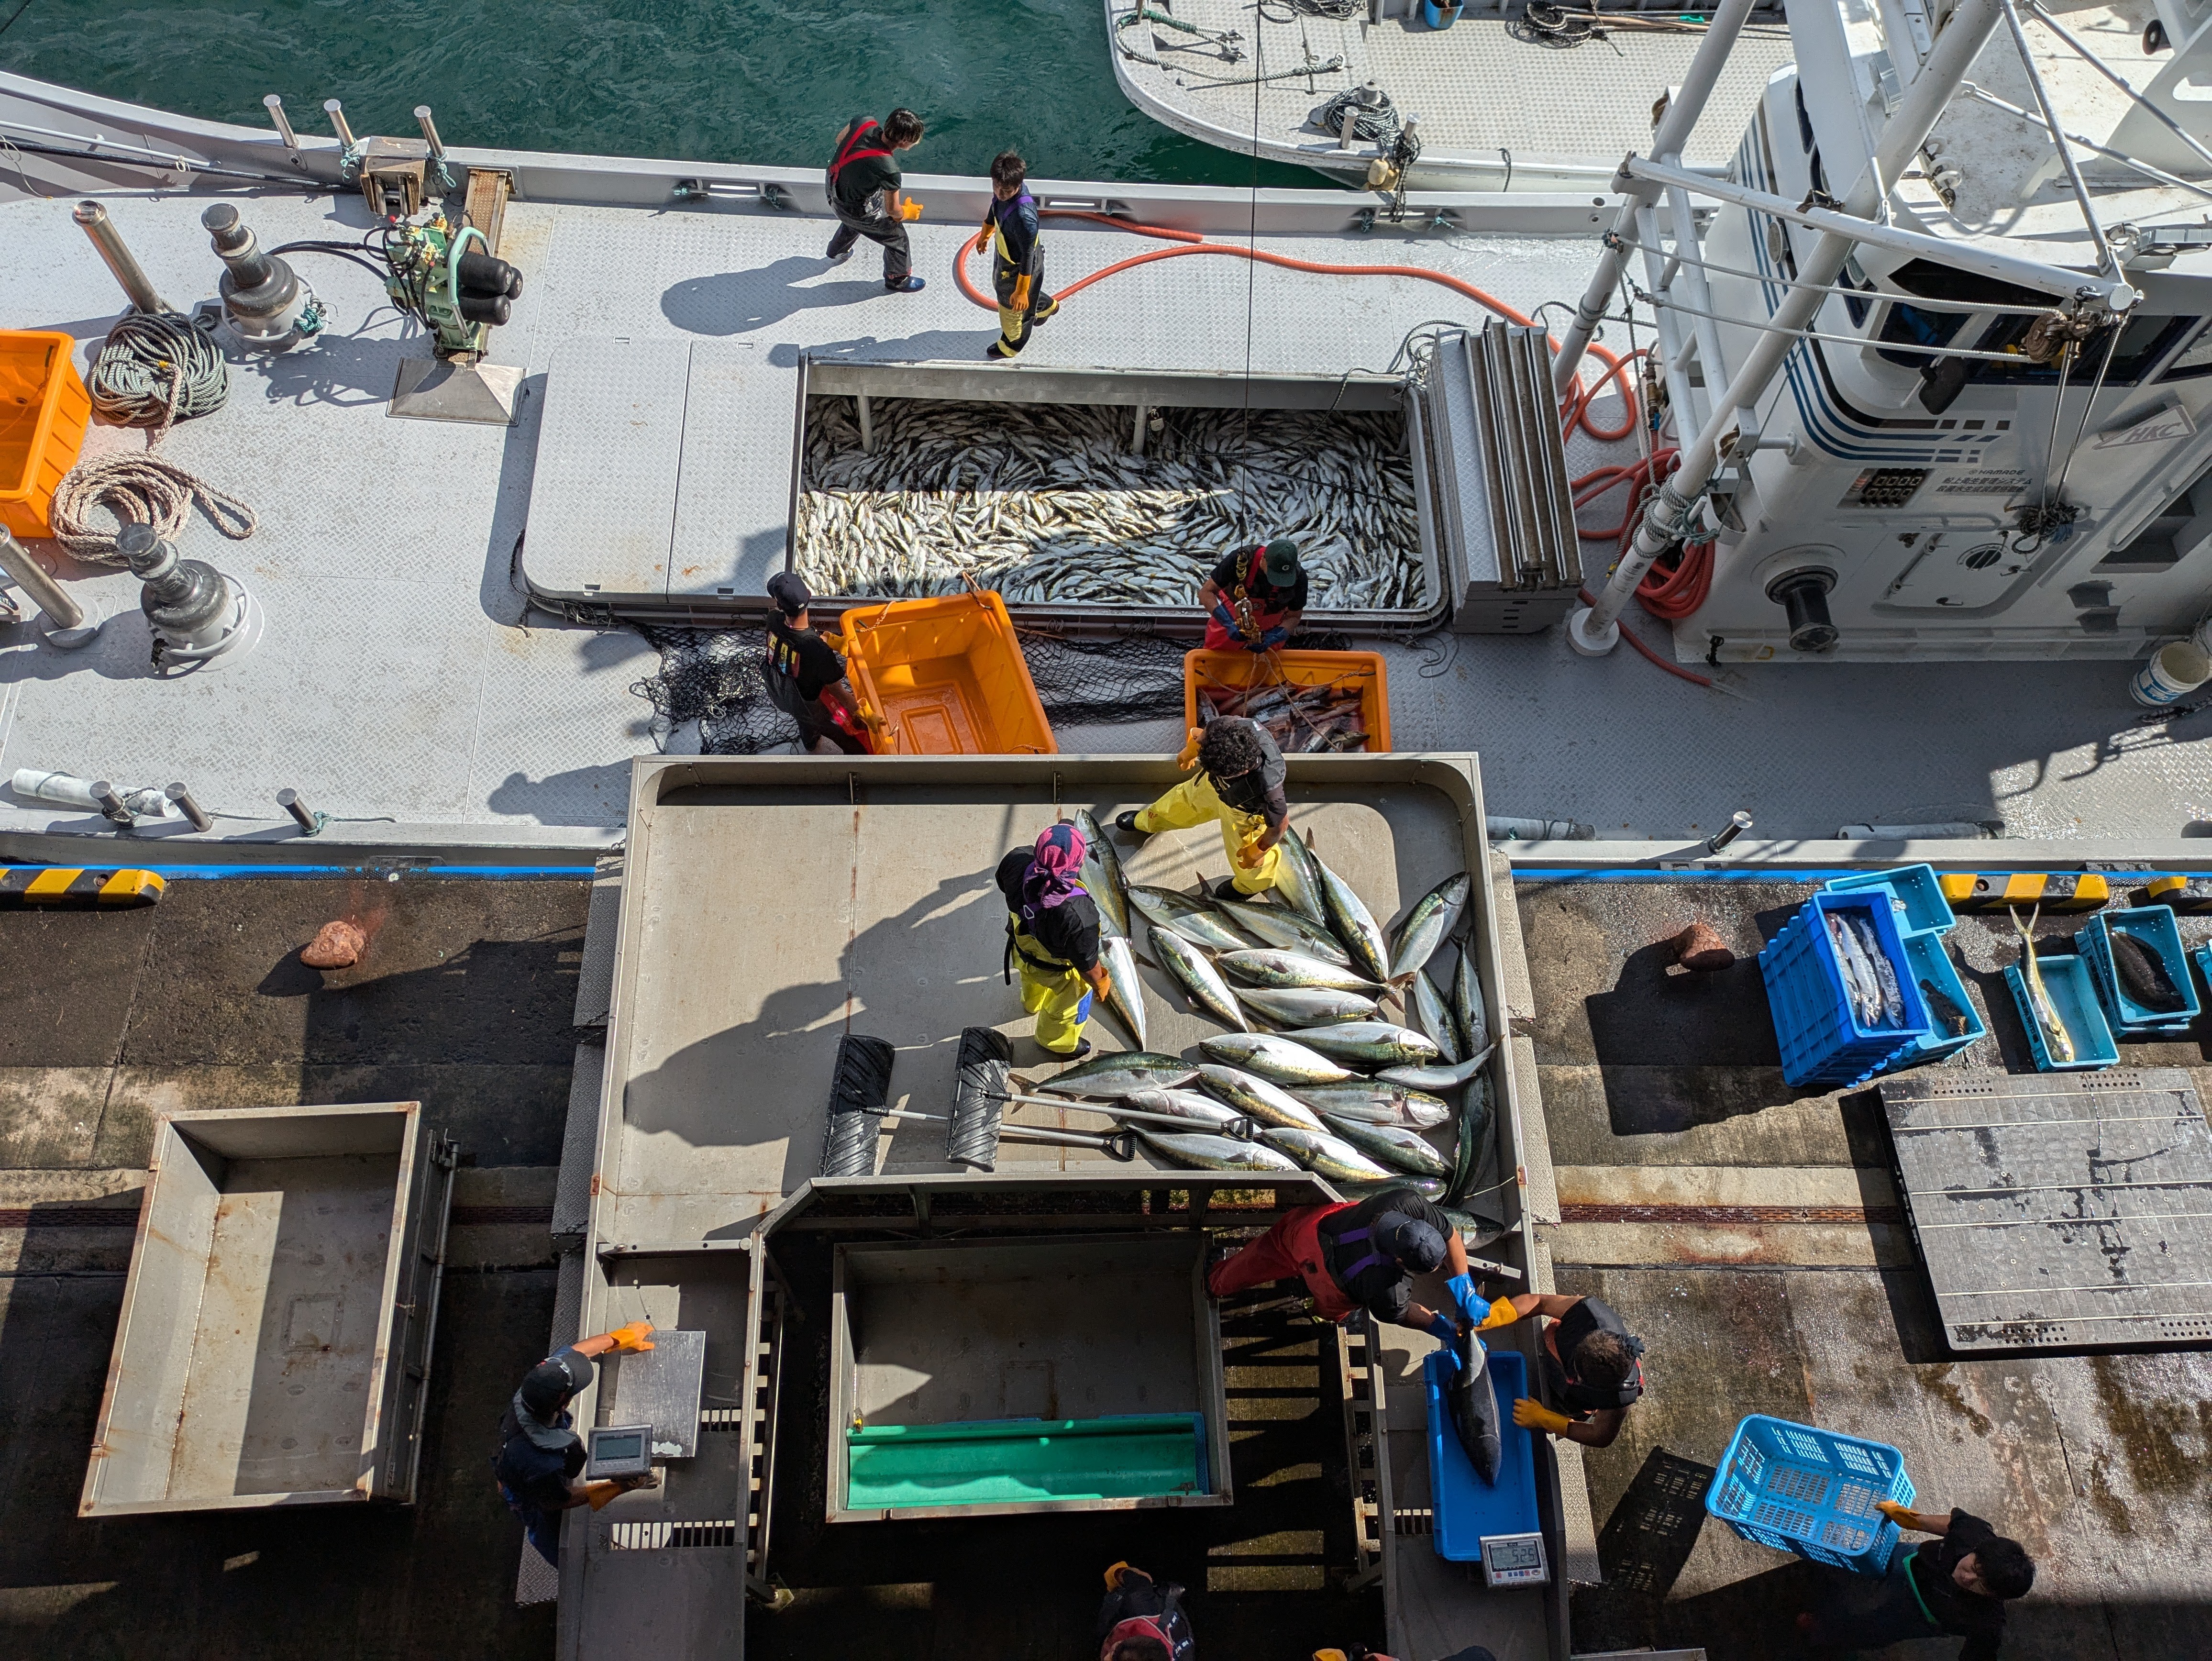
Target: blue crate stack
2155, 928
1821, 1038
1923, 917
1796, 1487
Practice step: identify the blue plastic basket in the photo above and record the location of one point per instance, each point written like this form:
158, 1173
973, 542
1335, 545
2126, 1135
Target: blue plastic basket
2066, 978
1931, 962
1466, 1507
2155, 928
1812, 1492
1820, 1034
1920, 906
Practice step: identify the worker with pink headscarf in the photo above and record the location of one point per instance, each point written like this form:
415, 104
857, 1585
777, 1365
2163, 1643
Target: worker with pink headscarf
1052, 937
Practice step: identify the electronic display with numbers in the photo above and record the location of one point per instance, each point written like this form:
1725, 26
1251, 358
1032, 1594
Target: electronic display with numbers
619, 1451
1514, 1559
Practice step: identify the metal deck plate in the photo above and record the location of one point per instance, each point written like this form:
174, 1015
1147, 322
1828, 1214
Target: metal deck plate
2066, 1211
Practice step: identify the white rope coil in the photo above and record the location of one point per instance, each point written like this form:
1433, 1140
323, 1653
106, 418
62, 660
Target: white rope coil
137, 490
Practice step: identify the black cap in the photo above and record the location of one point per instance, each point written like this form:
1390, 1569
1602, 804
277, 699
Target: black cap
1281, 556
547, 1387
788, 590
1415, 1244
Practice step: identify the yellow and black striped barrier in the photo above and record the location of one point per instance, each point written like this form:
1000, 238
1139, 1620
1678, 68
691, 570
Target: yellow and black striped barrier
62, 884
2054, 890
2190, 895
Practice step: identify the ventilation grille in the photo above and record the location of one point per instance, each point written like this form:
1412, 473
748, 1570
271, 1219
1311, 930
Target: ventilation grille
670, 1537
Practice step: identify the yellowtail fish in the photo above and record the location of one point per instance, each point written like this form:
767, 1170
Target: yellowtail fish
2055, 1038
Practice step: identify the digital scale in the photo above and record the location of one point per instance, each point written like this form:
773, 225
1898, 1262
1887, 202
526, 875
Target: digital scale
621, 1451
1514, 1559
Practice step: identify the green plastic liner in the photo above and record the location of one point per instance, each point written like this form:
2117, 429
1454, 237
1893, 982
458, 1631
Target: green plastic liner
1014, 1461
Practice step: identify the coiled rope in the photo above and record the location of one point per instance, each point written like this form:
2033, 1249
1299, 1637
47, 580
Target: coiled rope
1375, 122
153, 370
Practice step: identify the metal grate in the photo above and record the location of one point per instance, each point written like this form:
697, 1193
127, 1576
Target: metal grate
2058, 1212
671, 1536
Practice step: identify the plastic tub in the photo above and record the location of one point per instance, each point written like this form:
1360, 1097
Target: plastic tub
1466, 1507
948, 677
1921, 907
1931, 962
1009, 1463
44, 411
1362, 671
2153, 927
2066, 978
1821, 1038
1799, 1488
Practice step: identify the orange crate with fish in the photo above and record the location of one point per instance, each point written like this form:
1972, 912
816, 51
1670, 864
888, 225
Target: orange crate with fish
1312, 702
947, 676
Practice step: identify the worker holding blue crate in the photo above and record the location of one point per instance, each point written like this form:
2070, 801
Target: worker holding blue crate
1590, 1360
1957, 1583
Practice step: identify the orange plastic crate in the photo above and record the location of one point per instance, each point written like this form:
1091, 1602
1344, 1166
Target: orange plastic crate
948, 677
1362, 670
44, 411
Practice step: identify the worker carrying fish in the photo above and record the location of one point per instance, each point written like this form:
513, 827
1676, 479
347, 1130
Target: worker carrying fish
863, 185
1239, 782
1254, 599
1589, 1361
1355, 1257
1010, 231
1958, 1582
1052, 938
540, 1455
805, 676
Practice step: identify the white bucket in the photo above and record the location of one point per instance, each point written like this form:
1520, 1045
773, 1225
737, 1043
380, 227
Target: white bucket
2173, 673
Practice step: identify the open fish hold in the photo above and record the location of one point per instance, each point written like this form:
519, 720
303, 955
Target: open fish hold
1286, 928
1278, 1060
1473, 1404
1187, 967
1331, 1156
1201, 1150
1272, 966
1353, 923
1401, 1150
1269, 1104
1368, 1043
1118, 1072
1375, 1102
1306, 1005
1428, 923
1126, 996
1102, 875
1195, 920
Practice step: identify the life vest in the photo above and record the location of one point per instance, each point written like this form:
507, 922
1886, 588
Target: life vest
1219, 638
1302, 1238
1170, 1628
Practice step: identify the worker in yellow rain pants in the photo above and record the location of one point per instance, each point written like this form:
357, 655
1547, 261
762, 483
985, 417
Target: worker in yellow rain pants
1239, 782
1052, 936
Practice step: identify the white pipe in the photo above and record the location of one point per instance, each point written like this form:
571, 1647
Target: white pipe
1594, 630
67, 790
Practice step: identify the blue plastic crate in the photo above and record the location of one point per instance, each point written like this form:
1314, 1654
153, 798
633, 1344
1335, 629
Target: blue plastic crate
2154, 927
1821, 1039
1466, 1507
1798, 1489
1931, 962
1920, 906
2066, 978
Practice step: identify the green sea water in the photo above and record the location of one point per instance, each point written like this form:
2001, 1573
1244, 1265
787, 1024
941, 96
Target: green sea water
764, 82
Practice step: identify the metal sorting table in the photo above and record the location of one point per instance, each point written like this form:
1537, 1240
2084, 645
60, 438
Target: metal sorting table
274, 1348
2058, 1212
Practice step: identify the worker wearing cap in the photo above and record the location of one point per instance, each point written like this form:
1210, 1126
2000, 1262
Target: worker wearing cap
804, 675
1355, 1257
1239, 782
1254, 599
1010, 229
540, 1455
1958, 1582
1052, 937
1142, 1620
1589, 1360
863, 187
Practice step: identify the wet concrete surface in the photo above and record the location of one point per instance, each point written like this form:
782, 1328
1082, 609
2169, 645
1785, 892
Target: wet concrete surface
462, 1001
2102, 1466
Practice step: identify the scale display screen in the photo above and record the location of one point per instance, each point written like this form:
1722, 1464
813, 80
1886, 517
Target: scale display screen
1514, 1559
620, 1451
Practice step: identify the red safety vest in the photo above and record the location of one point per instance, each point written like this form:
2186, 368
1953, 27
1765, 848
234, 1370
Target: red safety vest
1302, 1238
1219, 639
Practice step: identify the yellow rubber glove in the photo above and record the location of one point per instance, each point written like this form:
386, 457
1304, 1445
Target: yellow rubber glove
1186, 757
1534, 1415
1249, 853
1903, 1516
983, 240
1021, 293
606, 1492
638, 1334
910, 211
1502, 1314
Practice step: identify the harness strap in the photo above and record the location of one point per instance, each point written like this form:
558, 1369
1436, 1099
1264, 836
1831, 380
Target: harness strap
1369, 1260
846, 152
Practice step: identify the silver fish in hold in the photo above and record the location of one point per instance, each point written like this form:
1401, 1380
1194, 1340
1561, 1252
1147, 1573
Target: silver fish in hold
1271, 966
1374, 1044
1468, 1004
1127, 998
1858, 971
1203, 1151
1436, 1075
1276, 1059
1203, 1111
1295, 880
1885, 974
1429, 1188
1306, 1005
1402, 1150
1187, 967
1374, 1102
1116, 1073
1430, 1015
1290, 929
1195, 921
1354, 923
1269, 1104
1432, 918
1332, 1156
1102, 874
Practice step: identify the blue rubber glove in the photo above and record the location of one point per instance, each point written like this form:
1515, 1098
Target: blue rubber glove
1273, 638
1224, 616
1444, 1329
1472, 1304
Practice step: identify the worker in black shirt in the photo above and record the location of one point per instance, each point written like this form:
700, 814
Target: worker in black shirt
805, 678
1589, 1358
1356, 1256
1958, 1582
1254, 599
1052, 937
1239, 782
1010, 227
863, 186
540, 1455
